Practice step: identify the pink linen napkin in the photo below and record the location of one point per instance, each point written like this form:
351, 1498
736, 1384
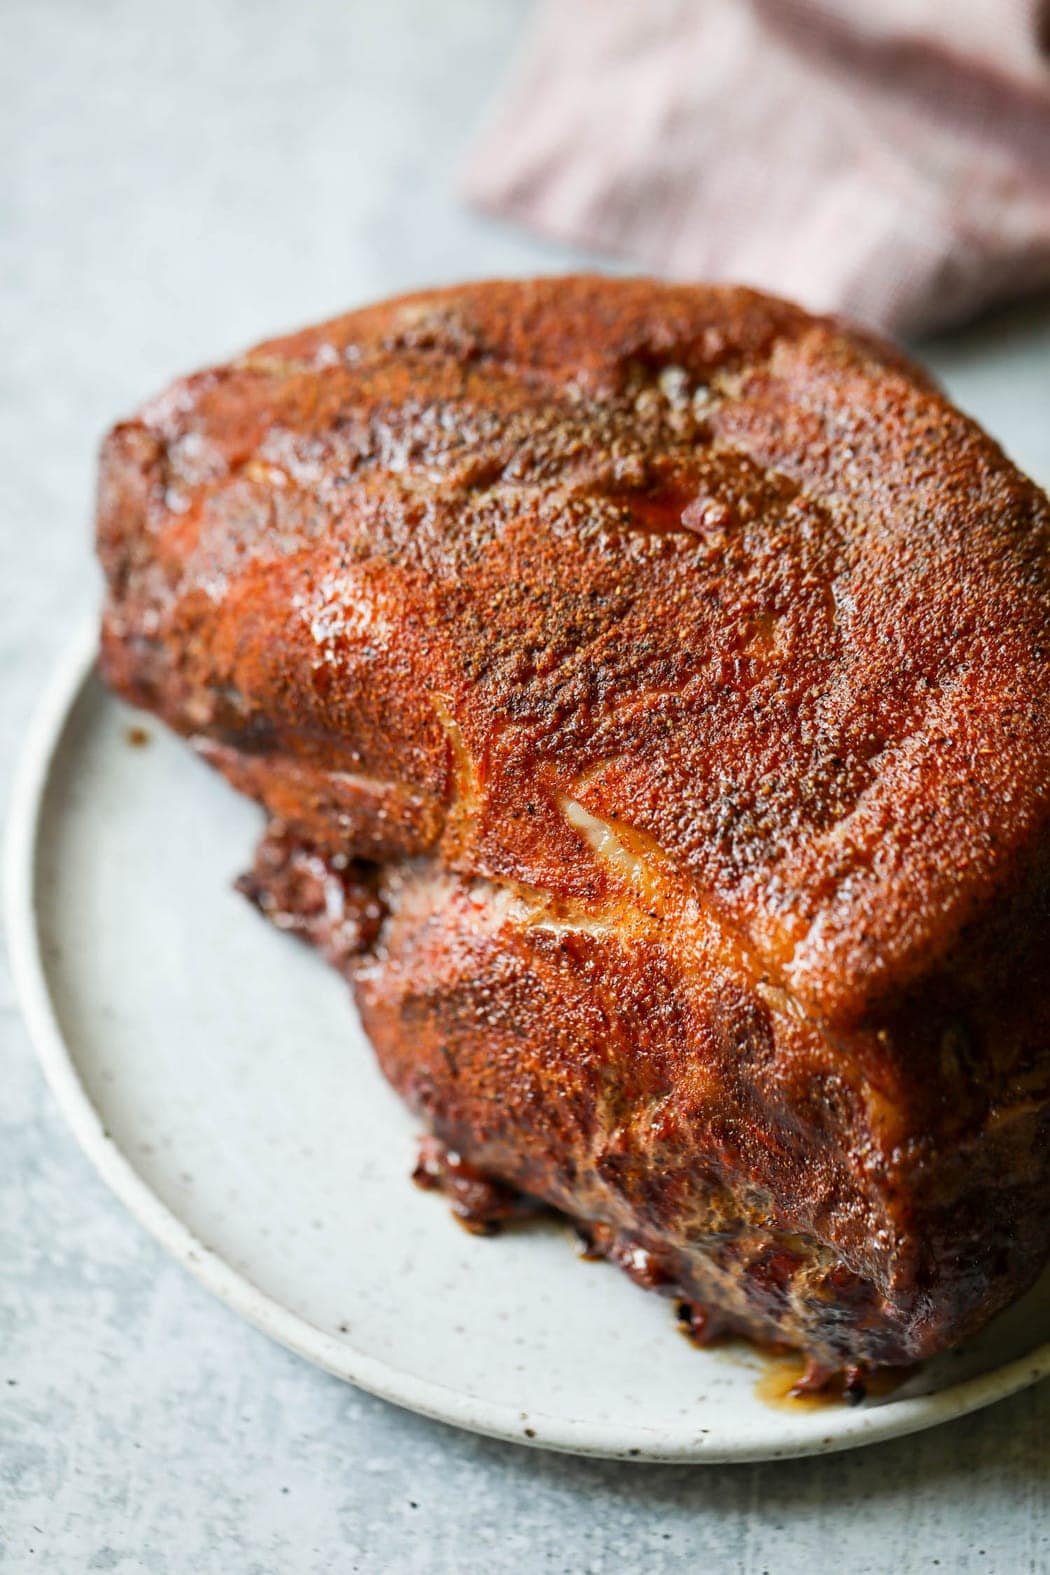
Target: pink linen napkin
891, 161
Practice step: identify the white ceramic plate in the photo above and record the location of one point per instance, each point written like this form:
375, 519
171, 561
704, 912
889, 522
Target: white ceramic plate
215, 1073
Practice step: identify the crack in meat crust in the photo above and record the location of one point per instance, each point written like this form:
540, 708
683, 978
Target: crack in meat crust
649, 688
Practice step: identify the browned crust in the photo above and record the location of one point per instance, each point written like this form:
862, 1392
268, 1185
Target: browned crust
490, 576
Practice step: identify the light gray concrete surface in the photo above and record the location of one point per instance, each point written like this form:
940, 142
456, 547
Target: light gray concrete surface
178, 180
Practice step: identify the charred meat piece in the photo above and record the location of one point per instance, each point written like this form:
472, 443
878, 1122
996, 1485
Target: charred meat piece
648, 689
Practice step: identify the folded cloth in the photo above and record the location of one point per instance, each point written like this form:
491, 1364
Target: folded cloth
890, 161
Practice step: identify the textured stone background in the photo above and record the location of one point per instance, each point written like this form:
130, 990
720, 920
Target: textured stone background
177, 181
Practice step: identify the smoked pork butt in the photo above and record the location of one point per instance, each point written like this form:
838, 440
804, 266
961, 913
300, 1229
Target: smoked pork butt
648, 690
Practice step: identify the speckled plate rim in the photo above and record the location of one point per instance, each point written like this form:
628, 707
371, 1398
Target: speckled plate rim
845, 1429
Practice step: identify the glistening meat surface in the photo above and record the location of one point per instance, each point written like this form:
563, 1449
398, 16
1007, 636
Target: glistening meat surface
648, 686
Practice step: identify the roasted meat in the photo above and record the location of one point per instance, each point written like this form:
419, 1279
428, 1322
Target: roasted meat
648, 690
